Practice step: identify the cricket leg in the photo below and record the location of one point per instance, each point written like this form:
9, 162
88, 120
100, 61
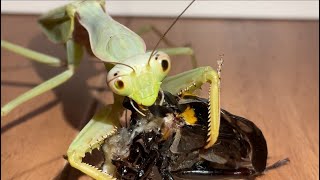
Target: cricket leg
189, 81
73, 55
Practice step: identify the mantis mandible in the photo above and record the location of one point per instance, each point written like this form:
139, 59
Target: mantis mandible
132, 72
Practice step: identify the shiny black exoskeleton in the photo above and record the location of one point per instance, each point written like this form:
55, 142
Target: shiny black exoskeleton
240, 152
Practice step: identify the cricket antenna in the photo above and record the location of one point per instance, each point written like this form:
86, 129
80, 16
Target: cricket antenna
174, 22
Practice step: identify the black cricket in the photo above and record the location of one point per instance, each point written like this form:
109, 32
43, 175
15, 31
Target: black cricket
164, 146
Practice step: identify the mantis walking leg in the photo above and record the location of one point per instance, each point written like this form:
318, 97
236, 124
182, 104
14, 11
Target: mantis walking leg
170, 51
182, 51
33, 55
74, 54
191, 80
148, 28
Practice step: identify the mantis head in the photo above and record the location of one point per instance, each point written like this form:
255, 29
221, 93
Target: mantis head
140, 77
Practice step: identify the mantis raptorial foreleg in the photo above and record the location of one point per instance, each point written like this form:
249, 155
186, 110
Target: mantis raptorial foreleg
192, 80
74, 54
104, 124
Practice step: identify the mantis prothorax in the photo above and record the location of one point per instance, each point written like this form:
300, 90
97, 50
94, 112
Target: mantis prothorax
132, 72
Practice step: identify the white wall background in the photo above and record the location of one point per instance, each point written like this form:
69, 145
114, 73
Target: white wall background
216, 9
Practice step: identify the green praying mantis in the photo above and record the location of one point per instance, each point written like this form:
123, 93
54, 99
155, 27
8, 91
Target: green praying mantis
132, 72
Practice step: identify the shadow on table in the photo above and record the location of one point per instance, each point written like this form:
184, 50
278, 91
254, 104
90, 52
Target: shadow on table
73, 94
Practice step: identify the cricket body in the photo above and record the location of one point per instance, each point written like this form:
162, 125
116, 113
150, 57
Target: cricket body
132, 72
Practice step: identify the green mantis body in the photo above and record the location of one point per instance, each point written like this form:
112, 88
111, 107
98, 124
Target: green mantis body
132, 72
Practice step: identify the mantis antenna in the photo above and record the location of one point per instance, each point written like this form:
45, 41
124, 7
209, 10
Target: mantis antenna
121, 75
174, 22
115, 63
124, 65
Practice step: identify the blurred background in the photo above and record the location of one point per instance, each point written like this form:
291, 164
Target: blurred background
270, 76
209, 9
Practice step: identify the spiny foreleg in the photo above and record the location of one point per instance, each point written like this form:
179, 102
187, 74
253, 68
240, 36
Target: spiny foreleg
103, 125
189, 81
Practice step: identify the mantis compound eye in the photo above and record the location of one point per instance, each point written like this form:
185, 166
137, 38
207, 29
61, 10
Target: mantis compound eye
160, 64
164, 65
119, 84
